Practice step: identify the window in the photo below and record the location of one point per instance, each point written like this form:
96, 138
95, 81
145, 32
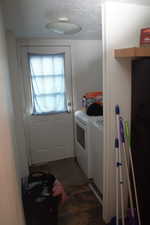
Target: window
48, 83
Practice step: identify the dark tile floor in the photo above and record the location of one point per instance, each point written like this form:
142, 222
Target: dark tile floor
66, 170
69, 173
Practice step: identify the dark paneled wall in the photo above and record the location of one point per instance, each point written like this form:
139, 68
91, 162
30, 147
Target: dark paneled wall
140, 135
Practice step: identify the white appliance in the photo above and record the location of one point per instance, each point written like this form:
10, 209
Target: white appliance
97, 153
82, 144
83, 147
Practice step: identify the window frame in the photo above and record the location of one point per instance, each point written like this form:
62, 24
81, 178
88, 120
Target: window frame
43, 50
31, 85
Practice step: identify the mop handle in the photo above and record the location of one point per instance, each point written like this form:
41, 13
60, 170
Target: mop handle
132, 169
117, 111
116, 143
127, 133
122, 131
117, 176
126, 166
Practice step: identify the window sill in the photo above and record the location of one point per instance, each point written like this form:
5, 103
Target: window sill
49, 113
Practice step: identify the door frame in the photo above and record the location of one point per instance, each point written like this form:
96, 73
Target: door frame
33, 43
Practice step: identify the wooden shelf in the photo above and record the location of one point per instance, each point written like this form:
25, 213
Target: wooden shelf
132, 52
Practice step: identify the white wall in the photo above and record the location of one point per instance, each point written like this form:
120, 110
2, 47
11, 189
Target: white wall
121, 28
86, 68
17, 90
10, 201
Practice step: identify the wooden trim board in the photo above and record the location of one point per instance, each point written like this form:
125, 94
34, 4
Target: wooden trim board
125, 52
132, 52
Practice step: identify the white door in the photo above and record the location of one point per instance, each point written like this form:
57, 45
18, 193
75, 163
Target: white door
48, 99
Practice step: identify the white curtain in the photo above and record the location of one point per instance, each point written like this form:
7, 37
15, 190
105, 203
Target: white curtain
48, 83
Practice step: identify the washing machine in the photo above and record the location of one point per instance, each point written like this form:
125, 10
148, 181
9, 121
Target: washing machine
83, 144
97, 153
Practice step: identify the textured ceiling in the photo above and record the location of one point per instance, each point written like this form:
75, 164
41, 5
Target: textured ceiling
27, 18
139, 2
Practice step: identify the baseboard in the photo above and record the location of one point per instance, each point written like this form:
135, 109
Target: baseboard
96, 192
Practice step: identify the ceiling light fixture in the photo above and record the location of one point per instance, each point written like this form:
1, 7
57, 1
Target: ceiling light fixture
63, 26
